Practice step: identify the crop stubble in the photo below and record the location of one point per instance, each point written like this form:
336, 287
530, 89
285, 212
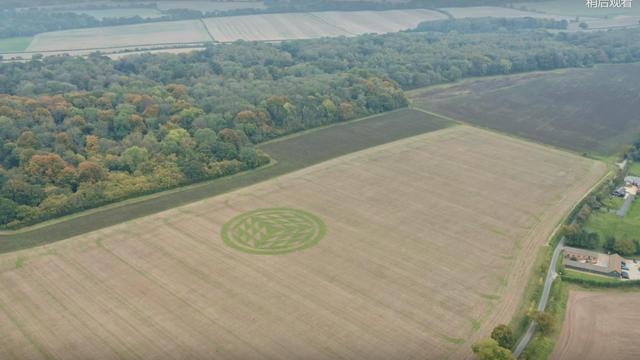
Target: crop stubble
419, 233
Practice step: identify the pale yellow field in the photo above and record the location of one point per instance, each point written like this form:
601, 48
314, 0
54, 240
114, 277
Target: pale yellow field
270, 27
429, 243
600, 325
173, 32
363, 22
205, 6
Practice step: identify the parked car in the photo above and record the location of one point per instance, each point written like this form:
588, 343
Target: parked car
635, 261
625, 267
624, 275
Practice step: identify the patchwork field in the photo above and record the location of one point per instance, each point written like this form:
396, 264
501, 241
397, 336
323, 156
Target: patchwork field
600, 325
409, 252
589, 110
267, 27
172, 32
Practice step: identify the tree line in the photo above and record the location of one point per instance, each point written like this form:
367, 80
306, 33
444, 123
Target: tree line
490, 24
81, 132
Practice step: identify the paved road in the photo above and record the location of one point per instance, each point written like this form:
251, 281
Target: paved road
551, 275
626, 206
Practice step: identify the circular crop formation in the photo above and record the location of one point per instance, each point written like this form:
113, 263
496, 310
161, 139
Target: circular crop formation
273, 231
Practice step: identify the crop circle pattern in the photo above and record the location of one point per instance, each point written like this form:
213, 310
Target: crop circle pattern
273, 231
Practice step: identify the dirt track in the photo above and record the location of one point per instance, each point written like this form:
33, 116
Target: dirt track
600, 325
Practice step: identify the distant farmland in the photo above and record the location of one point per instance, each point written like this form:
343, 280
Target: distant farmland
267, 27
587, 110
262, 27
427, 244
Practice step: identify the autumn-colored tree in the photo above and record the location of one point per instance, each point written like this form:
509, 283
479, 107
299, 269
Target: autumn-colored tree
177, 90
91, 144
90, 171
46, 167
137, 123
230, 136
347, 111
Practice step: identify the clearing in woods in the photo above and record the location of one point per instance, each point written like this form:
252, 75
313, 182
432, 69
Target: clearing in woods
588, 110
428, 243
600, 325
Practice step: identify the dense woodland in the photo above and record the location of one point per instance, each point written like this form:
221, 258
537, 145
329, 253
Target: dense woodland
80, 132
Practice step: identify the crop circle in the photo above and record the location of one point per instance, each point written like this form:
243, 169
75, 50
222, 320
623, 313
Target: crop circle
273, 231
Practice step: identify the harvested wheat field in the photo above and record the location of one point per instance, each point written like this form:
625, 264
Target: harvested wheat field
600, 325
270, 27
364, 22
406, 250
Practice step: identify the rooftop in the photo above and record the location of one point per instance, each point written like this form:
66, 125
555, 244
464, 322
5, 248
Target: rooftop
632, 180
605, 263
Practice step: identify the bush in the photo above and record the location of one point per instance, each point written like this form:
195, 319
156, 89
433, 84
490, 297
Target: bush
503, 334
488, 349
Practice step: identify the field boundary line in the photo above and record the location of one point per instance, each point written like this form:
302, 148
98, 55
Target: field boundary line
511, 135
338, 124
124, 47
206, 28
324, 21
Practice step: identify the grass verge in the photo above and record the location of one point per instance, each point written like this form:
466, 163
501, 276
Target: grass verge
15, 44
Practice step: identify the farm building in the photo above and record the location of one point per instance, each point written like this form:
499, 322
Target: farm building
632, 180
591, 261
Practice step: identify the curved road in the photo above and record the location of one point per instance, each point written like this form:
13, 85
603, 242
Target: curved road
551, 275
